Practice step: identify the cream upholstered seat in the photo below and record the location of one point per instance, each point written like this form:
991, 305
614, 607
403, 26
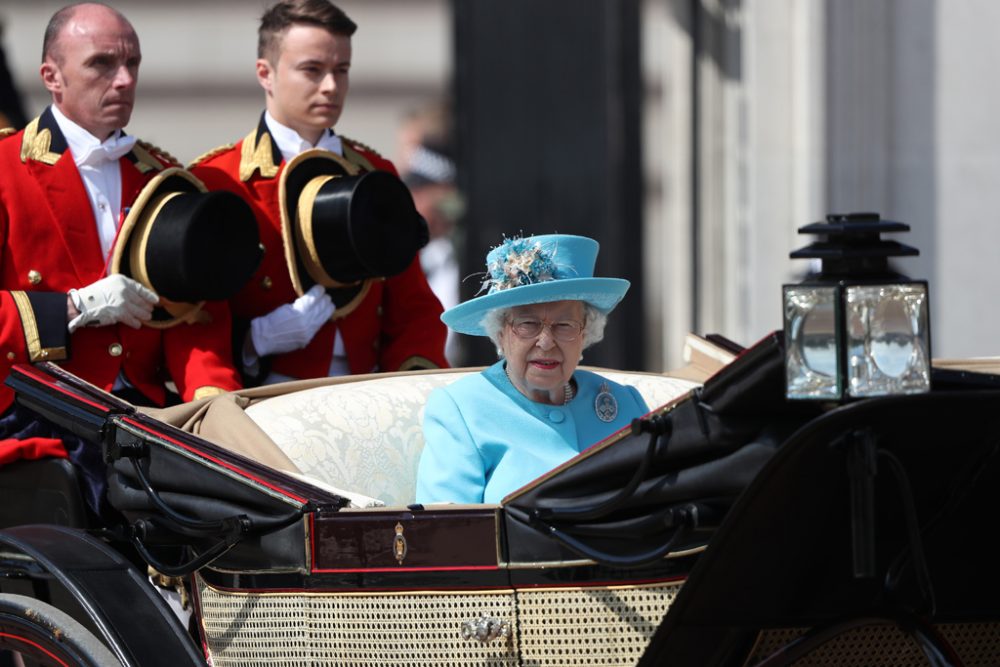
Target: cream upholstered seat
366, 436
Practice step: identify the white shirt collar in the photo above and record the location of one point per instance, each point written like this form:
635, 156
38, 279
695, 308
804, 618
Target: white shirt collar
291, 143
79, 140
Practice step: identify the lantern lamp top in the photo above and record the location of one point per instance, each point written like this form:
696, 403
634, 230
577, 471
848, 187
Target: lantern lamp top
851, 246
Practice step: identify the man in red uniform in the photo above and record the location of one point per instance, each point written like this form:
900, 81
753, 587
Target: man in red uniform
66, 181
304, 56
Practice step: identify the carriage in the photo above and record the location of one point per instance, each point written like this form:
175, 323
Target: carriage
727, 526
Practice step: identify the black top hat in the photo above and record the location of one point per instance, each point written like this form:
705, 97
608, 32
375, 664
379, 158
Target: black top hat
187, 245
342, 227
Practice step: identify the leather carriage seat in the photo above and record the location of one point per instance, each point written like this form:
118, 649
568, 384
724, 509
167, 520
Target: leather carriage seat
366, 436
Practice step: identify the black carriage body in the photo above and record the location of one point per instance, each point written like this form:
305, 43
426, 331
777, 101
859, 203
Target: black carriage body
602, 561
345, 579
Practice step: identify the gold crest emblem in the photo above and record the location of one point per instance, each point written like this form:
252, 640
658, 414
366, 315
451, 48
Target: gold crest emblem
399, 544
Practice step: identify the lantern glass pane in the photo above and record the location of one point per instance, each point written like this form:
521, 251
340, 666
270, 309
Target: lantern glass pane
811, 342
888, 339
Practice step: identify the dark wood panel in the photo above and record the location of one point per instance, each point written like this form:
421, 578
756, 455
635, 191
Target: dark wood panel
453, 539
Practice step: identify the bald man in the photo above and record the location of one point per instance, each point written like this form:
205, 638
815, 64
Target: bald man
65, 182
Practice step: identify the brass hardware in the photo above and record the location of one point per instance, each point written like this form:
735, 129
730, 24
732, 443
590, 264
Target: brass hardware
485, 629
399, 544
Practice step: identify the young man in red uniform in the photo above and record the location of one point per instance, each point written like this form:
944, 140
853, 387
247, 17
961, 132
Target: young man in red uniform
304, 57
65, 182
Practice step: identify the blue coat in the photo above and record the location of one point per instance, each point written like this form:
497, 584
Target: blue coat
485, 439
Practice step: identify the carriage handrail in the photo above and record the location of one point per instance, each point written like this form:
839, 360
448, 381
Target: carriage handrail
232, 528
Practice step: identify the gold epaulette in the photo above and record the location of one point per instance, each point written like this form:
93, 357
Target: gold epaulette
7, 131
35, 145
257, 156
159, 153
358, 144
210, 154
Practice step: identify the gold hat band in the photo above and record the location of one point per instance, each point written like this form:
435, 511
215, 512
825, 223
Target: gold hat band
182, 312
305, 241
140, 240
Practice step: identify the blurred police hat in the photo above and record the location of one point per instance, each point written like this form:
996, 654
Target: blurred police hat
429, 165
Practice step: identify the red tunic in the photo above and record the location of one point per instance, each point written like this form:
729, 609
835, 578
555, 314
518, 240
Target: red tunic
50, 245
395, 326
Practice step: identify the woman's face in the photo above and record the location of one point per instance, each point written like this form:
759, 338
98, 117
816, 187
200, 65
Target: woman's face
540, 365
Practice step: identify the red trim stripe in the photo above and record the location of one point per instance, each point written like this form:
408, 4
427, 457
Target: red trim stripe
35, 374
37, 646
452, 568
441, 589
312, 542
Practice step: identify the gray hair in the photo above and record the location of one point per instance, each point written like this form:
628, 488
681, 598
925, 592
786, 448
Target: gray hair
594, 322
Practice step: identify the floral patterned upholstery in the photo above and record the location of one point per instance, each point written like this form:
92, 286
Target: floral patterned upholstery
366, 436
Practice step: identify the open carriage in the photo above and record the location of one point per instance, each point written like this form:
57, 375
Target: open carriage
729, 526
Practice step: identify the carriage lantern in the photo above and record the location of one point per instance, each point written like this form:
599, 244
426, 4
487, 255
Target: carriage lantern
856, 328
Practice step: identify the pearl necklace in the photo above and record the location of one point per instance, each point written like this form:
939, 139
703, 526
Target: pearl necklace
568, 391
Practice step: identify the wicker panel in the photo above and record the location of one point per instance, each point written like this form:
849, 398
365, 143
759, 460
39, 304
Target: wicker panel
558, 626
590, 626
249, 630
978, 645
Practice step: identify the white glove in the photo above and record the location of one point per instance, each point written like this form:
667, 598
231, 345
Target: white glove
293, 325
110, 300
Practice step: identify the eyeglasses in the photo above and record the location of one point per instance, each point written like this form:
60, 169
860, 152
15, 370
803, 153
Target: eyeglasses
564, 332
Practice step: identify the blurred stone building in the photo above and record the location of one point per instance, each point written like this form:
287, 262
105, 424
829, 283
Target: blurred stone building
197, 86
691, 137
763, 115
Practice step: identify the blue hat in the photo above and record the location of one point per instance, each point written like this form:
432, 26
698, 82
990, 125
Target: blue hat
537, 269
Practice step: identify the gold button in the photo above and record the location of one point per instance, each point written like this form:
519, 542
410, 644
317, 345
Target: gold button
115, 349
10, 356
379, 311
266, 282
44, 354
263, 249
34, 277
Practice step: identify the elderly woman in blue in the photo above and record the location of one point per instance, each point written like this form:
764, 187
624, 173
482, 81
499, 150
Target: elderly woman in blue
491, 433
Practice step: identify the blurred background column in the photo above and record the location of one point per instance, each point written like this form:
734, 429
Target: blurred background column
547, 101
11, 109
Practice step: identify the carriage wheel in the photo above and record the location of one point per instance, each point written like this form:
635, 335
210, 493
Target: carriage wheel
35, 633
